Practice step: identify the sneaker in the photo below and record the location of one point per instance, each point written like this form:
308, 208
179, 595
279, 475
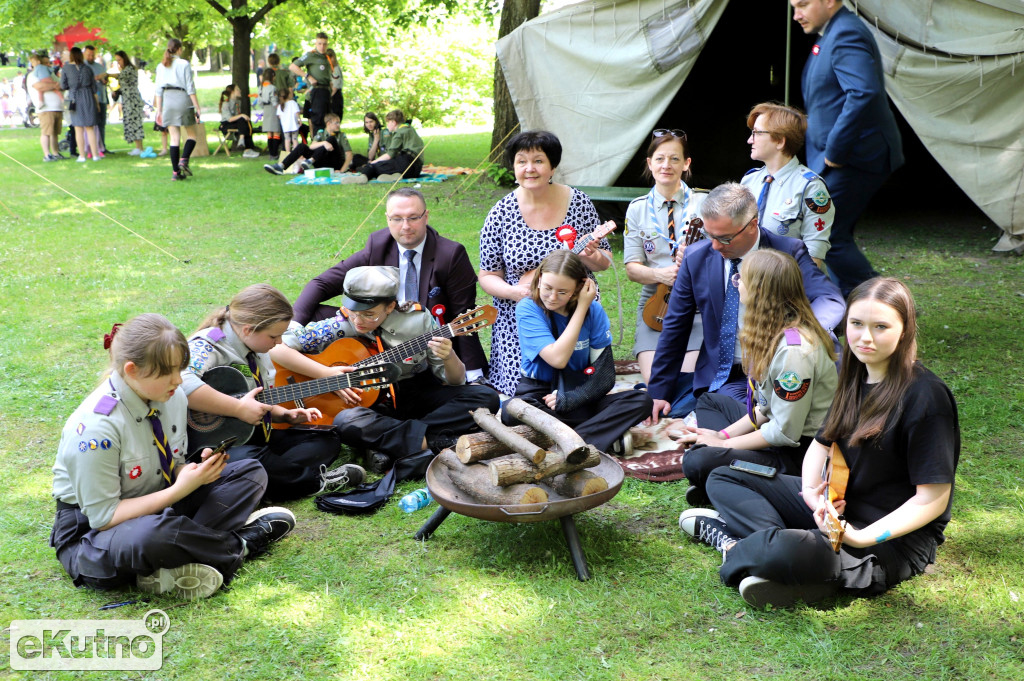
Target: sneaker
97, 157
176, 177
274, 168
48, 158
81, 159
389, 177
184, 169
706, 526
345, 475
264, 526
135, 152
59, 157
357, 178
697, 497
305, 165
760, 592
623, 446
378, 462
190, 581
250, 153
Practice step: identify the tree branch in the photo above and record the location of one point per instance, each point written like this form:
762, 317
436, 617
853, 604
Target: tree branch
262, 11
217, 6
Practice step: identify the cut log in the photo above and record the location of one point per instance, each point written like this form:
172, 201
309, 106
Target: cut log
482, 446
475, 481
513, 469
567, 441
578, 484
514, 441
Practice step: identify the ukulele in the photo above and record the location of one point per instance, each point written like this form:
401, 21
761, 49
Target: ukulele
657, 304
836, 474
601, 232
206, 430
361, 352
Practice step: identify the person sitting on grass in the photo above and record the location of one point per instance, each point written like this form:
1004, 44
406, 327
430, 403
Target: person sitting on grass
402, 157
332, 152
130, 509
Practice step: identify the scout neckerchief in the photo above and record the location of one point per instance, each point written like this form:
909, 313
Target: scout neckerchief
653, 213
166, 460
254, 367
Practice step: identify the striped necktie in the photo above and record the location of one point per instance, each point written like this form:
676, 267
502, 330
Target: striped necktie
254, 367
166, 460
672, 225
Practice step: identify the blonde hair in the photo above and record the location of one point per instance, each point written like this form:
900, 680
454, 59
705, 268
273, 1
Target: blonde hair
776, 301
151, 343
258, 306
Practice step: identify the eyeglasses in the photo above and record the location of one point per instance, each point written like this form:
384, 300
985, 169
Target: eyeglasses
366, 316
396, 220
726, 240
755, 132
661, 132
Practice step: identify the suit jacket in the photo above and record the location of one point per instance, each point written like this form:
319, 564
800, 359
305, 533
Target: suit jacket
447, 277
848, 116
700, 287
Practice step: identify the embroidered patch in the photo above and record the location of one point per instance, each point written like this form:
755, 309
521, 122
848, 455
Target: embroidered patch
648, 246
105, 405
782, 229
80, 429
789, 380
820, 209
216, 335
135, 472
791, 395
93, 444
83, 446
104, 444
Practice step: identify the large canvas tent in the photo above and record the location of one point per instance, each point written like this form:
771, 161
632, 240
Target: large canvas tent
954, 69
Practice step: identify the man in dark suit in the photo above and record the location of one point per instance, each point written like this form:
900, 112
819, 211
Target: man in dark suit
441, 277
852, 139
730, 225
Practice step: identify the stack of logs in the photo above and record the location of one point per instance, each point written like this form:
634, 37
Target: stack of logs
526, 464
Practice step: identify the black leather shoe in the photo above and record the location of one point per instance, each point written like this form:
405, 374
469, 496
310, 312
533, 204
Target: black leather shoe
378, 462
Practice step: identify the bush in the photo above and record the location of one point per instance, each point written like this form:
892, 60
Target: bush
439, 75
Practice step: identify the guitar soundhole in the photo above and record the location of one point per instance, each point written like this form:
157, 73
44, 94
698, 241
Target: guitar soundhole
204, 423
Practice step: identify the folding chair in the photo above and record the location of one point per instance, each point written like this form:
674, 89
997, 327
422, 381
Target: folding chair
225, 141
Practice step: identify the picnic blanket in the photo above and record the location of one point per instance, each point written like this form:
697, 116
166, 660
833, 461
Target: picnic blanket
335, 178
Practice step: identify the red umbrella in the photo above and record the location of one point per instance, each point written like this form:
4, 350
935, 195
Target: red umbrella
78, 34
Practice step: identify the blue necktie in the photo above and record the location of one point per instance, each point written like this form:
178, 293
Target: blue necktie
763, 198
730, 318
412, 279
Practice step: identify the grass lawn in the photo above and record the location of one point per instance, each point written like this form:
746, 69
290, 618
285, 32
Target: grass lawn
357, 597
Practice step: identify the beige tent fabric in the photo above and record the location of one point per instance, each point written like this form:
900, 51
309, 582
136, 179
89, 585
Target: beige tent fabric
599, 74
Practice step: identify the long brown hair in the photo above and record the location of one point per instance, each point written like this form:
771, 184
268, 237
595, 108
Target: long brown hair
776, 301
173, 46
564, 263
258, 306
848, 417
151, 343
225, 96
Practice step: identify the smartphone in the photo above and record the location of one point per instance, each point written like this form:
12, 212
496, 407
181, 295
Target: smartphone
197, 456
753, 468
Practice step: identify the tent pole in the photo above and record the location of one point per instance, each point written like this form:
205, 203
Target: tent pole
789, 47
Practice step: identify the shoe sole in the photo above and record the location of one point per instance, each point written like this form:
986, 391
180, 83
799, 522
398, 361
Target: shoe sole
760, 593
184, 170
272, 170
259, 513
191, 581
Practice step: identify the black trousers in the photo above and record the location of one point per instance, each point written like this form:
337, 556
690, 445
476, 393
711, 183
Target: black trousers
599, 423
198, 529
851, 190
426, 408
244, 129
292, 459
322, 157
778, 539
716, 411
319, 99
338, 104
402, 163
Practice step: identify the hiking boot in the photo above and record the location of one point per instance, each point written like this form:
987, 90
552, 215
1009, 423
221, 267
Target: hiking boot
378, 462
345, 475
706, 526
190, 581
263, 527
697, 497
274, 168
183, 169
760, 592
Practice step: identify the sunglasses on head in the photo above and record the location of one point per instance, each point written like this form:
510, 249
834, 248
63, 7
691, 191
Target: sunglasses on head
661, 132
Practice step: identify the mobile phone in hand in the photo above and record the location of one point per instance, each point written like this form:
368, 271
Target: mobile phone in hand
197, 456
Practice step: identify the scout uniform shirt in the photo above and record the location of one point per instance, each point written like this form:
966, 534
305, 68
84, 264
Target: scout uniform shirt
798, 205
397, 328
318, 68
107, 451
404, 140
218, 347
801, 383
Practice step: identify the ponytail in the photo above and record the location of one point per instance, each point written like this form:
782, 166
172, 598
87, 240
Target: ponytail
173, 47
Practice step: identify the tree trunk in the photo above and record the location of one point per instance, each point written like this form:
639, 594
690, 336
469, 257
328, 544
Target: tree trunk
578, 484
476, 482
241, 34
513, 14
512, 469
482, 446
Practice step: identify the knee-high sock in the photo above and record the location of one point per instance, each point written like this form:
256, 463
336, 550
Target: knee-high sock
189, 146
174, 158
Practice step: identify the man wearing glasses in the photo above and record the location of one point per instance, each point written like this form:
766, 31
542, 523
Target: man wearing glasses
435, 272
706, 283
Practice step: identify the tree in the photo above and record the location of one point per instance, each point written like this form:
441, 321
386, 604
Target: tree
513, 14
242, 25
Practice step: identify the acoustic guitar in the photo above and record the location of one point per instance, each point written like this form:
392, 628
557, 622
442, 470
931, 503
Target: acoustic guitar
836, 473
657, 304
206, 430
360, 352
601, 232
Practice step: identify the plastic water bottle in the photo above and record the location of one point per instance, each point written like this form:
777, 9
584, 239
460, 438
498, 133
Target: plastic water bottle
414, 501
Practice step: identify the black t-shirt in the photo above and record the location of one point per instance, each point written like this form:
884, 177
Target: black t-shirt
919, 446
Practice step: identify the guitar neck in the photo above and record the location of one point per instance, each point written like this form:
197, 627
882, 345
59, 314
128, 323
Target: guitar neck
299, 391
582, 243
399, 353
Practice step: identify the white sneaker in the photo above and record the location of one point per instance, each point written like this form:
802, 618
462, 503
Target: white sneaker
81, 159
250, 153
191, 581
135, 152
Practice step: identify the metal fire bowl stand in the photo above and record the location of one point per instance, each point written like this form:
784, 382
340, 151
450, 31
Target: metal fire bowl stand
451, 498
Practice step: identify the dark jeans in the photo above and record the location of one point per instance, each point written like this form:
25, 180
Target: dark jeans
292, 459
402, 163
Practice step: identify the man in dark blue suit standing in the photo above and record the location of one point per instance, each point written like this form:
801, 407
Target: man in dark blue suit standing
852, 139
705, 284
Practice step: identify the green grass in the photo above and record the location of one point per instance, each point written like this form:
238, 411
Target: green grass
356, 597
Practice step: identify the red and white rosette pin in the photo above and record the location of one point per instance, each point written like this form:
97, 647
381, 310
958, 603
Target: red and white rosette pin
438, 312
588, 371
567, 235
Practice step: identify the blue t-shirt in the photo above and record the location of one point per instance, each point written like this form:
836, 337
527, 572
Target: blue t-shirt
535, 335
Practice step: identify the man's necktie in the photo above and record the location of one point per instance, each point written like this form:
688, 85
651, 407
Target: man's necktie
166, 460
412, 279
730, 319
254, 367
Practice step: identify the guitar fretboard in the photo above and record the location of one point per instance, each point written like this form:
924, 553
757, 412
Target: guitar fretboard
319, 386
400, 353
